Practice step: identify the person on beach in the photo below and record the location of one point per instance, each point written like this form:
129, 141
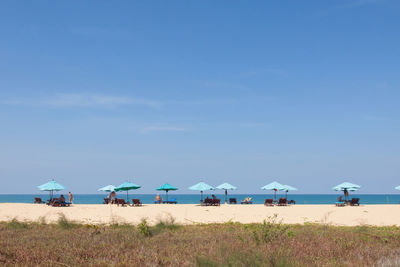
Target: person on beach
62, 199
346, 194
70, 197
112, 197
158, 199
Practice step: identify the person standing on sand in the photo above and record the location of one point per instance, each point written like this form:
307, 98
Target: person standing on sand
71, 197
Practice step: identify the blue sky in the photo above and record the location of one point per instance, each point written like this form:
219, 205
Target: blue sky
97, 92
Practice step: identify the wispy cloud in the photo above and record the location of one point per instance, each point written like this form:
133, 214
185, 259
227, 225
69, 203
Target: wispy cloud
82, 100
150, 129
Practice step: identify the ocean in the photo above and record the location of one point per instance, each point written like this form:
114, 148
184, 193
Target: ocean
195, 198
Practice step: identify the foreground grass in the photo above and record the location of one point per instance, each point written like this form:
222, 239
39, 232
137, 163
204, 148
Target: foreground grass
169, 244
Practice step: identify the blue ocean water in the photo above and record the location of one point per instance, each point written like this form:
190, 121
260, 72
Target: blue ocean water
194, 198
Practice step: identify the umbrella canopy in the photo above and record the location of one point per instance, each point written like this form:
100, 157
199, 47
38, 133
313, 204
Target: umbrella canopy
126, 187
107, 188
226, 187
273, 186
288, 188
166, 188
51, 186
201, 187
397, 187
346, 185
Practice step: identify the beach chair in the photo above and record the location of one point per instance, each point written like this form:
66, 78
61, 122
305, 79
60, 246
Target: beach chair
355, 202
232, 201
282, 202
121, 201
59, 203
340, 203
171, 201
38, 200
216, 202
106, 201
136, 202
291, 202
247, 201
207, 201
159, 201
269, 202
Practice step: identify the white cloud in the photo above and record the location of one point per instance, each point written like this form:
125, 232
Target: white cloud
82, 100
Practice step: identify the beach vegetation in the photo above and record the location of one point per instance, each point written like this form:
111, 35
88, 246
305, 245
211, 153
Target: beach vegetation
166, 243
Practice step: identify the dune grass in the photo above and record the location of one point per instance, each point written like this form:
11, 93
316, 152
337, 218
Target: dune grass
66, 243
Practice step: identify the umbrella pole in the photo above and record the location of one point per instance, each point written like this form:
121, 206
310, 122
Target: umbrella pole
226, 196
127, 196
201, 200
275, 195
167, 195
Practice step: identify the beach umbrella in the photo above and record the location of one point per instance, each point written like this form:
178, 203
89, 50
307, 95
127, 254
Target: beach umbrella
288, 188
346, 186
273, 186
166, 188
51, 186
201, 187
126, 187
226, 187
397, 187
107, 188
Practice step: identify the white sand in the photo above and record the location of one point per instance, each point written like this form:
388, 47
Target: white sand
189, 214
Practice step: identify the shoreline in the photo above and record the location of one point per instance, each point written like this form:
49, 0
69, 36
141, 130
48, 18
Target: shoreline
376, 215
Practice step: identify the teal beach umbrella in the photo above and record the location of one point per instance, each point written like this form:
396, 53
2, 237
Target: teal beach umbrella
288, 188
166, 188
346, 186
126, 187
226, 187
201, 187
397, 187
274, 186
107, 188
51, 186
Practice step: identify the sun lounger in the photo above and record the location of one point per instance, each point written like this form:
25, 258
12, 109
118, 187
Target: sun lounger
136, 202
38, 200
355, 202
282, 202
291, 202
58, 203
340, 203
232, 201
158, 201
211, 202
121, 201
269, 202
106, 201
171, 201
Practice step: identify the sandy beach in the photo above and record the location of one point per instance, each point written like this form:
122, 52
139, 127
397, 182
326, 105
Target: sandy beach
380, 215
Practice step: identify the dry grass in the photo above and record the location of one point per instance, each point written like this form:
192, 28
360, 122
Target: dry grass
168, 244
